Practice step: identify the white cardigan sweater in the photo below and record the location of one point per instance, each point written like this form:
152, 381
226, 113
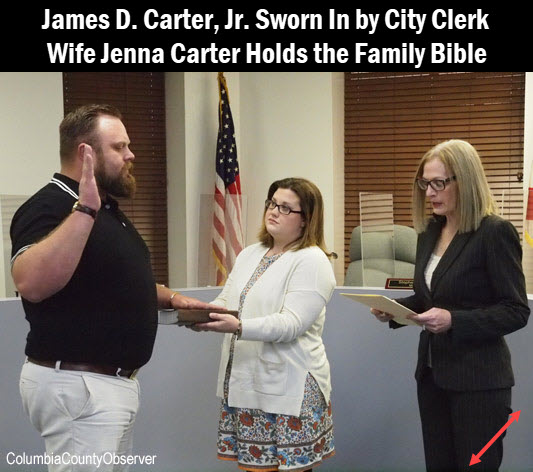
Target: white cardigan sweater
282, 322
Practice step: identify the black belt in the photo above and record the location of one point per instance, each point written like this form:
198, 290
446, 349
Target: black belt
88, 367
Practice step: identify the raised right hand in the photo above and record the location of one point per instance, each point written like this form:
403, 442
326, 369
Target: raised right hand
89, 195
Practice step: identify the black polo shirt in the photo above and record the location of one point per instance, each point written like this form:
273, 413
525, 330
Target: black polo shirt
107, 312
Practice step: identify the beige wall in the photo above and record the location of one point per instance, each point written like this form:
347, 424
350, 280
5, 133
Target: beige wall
284, 127
192, 124
201, 118
31, 107
287, 129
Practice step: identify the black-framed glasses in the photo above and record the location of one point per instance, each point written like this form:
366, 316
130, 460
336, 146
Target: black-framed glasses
436, 184
283, 209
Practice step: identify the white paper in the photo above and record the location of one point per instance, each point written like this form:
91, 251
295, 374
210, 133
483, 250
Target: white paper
385, 304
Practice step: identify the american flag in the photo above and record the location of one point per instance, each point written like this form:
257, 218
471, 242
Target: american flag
228, 238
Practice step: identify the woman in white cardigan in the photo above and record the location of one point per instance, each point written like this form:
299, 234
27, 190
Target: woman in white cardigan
274, 375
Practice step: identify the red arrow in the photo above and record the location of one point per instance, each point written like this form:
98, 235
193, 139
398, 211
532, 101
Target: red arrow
475, 459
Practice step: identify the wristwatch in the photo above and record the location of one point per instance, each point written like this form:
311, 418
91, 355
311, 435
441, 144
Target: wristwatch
84, 209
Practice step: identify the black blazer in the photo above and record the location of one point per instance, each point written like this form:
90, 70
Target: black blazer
480, 281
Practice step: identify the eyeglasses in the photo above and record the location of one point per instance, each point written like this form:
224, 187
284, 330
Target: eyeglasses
283, 209
436, 184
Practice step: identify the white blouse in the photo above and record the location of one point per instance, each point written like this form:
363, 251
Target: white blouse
430, 268
428, 275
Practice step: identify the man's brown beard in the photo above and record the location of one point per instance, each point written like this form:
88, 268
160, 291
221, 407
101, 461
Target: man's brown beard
123, 185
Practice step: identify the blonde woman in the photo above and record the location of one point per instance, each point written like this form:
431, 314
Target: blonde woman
274, 376
469, 293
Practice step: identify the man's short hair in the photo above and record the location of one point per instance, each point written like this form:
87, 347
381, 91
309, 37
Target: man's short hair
80, 126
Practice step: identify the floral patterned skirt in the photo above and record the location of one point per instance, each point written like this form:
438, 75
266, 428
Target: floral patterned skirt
267, 442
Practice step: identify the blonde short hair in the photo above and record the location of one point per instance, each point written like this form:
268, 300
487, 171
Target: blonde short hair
474, 198
312, 208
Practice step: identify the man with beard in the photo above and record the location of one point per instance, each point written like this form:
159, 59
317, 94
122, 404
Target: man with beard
86, 283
